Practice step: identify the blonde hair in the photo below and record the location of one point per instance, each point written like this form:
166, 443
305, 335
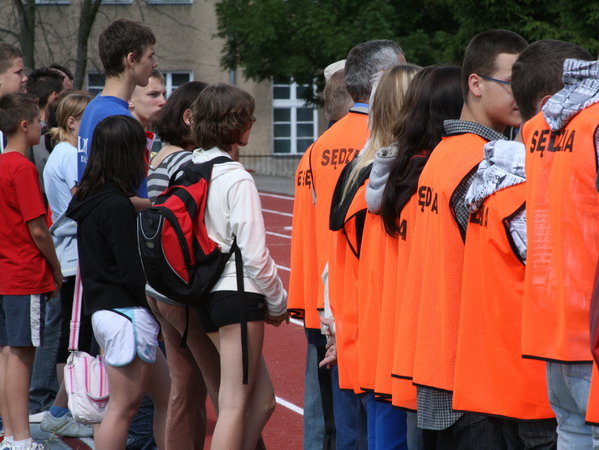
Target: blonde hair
386, 99
71, 105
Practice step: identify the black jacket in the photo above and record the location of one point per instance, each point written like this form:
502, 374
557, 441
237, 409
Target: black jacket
111, 270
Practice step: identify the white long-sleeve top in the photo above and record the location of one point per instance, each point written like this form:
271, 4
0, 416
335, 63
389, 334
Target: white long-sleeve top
234, 209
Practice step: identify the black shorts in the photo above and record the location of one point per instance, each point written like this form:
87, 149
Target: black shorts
224, 308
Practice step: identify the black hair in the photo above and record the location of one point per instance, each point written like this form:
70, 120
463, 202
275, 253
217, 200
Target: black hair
433, 96
44, 82
116, 157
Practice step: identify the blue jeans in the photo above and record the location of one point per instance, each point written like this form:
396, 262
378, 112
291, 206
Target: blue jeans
350, 417
319, 425
569, 386
386, 426
44, 384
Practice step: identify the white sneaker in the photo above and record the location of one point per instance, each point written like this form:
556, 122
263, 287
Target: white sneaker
65, 426
32, 446
37, 417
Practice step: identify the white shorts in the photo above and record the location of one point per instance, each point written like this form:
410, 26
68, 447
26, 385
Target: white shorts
122, 339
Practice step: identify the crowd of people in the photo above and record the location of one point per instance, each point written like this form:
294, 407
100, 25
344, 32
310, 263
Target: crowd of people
74, 171
444, 245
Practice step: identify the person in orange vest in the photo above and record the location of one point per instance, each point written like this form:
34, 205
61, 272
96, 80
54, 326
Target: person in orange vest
491, 376
319, 426
434, 95
354, 271
563, 241
435, 267
330, 153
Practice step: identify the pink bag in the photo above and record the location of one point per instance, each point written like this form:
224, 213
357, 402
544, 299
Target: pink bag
85, 377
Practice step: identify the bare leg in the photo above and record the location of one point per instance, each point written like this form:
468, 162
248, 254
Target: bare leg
204, 353
186, 416
261, 406
3, 406
235, 397
16, 384
127, 387
61, 396
159, 391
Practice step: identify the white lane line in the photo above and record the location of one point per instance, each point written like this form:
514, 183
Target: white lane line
289, 405
289, 228
272, 233
286, 269
277, 212
284, 197
296, 322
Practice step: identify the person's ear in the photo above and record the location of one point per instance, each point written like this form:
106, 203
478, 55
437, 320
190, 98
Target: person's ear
187, 117
131, 60
71, 121
543, 101
131, 105
474, 85
23, 126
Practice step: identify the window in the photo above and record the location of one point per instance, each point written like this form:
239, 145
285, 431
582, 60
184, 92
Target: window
95, 81
117, 2
295, 124
52, 2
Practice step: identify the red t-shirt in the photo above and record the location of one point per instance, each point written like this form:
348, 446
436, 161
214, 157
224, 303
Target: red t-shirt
23, 268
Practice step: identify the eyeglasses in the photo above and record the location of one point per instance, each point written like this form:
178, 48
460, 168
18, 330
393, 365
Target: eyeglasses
507, 83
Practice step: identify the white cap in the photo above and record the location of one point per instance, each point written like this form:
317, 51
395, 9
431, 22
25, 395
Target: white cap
332, 68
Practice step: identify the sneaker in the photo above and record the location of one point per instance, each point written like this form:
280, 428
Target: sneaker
32, 446
37, 417
65, 426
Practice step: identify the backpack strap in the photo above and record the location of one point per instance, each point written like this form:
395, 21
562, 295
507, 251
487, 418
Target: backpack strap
195, 171
243, 316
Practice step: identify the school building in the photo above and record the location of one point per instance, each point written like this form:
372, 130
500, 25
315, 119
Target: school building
186, 50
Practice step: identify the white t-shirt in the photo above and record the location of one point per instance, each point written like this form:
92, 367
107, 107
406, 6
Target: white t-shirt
60, 176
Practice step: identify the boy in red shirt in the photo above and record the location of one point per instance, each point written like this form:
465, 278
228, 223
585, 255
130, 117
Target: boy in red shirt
29, 269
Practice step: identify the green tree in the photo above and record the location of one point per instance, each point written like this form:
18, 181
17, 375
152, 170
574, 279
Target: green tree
298, 38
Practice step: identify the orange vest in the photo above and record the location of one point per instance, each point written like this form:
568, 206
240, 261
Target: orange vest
436, 260
304, 276
592, 416
343, 294
491, 377
339, 145
373, 259
563, 237
394, 278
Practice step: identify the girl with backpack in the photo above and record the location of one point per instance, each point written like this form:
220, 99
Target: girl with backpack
194, 368
222, 118
114, 282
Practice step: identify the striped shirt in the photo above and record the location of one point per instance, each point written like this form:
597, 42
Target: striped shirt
158, 177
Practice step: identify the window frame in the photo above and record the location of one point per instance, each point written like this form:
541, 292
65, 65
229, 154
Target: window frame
292, 103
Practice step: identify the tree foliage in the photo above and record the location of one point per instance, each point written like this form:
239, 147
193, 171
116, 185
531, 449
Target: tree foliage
298, 38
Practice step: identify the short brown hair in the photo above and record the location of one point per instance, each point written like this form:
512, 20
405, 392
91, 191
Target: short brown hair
43, 83
221, 114
121, 37
8, 53
538, 72
14, 108
481, 53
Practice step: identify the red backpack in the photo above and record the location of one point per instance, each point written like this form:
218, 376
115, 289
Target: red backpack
179, 259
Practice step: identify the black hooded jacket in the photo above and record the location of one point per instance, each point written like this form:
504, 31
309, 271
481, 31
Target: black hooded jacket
111, 270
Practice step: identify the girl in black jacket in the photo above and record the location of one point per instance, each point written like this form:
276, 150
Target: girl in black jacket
113, 279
